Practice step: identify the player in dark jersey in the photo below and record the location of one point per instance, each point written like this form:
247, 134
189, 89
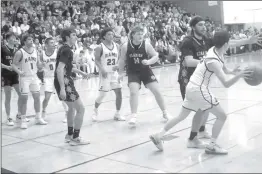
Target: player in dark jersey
65, 87
9, 77
138, 55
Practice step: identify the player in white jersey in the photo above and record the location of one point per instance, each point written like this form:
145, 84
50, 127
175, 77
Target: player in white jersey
25, 64
198, 95
48, 57
106, 58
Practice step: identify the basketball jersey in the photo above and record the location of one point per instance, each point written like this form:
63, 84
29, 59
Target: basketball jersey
7, 55
29, 62
109, 57
202, 75
135, 55
49, 63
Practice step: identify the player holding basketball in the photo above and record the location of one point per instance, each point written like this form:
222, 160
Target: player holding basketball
138, 55
198, 96
10, 77
193, 49
106, 59
25, 64
65, 87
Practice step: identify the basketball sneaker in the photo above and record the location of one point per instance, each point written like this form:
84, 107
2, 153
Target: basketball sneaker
157, 141
68, 138
118, 117
215, 149
10, 122
43, 115
40, 121
196, 143
78, 141
23, 124
204, 135
132, 121
95, 114
18, 119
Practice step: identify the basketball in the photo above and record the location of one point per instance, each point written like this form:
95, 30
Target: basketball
256, 76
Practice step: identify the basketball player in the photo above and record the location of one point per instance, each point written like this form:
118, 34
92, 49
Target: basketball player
10, 78
65, 88
106, 59
48, 57
25, 64
193, 49
198, 96
139, 55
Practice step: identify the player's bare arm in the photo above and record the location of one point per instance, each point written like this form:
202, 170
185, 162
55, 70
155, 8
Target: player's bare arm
252, 40
98, 62
16, 62
115, 68
75, 70
60, 77
226, 80
152, 54
40, 61
6, 67
230, 71
122, 58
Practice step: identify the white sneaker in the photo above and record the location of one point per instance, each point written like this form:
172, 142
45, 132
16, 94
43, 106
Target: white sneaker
40, 121
65, 120
214, 149
132, 121
68, 138
78, 141
10, 122
18, 119
95, 114
118, 117
157, 141
204, 135
196, 143
23, 124
166, 116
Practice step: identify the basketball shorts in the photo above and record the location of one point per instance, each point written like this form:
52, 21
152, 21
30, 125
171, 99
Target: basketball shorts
49, 84
71, 93
9, 79
109, 83
29, 84
199, 98
145, 76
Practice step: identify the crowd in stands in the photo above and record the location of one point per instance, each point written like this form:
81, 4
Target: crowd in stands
165, 23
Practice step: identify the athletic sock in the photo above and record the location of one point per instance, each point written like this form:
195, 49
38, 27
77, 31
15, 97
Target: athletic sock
70, 130
76, 133
192, 135
202, 129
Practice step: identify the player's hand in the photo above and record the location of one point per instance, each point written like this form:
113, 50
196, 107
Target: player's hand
115, 68
86, 76
62, 94
104, 74
145, 62
22, 73
237, 69
10, 68
246, 73
120, 77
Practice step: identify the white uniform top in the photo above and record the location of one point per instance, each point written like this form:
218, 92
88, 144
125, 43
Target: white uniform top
50, 62
201, 76
109, 57
29, 63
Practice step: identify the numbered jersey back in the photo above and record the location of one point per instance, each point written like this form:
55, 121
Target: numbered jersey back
28, 62
49, 61
109, 57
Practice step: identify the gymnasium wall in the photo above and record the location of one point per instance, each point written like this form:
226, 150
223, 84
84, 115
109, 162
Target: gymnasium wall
203, 9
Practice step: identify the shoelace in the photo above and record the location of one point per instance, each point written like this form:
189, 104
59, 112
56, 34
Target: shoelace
10, 119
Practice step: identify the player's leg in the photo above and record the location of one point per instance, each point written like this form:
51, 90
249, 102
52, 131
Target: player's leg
66, 111
118, 93
19, 103
8, 93
24, 84
35, 89
78, 105
213, 148
49, 89
70, 120
157, 138
154, 88
104, 87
